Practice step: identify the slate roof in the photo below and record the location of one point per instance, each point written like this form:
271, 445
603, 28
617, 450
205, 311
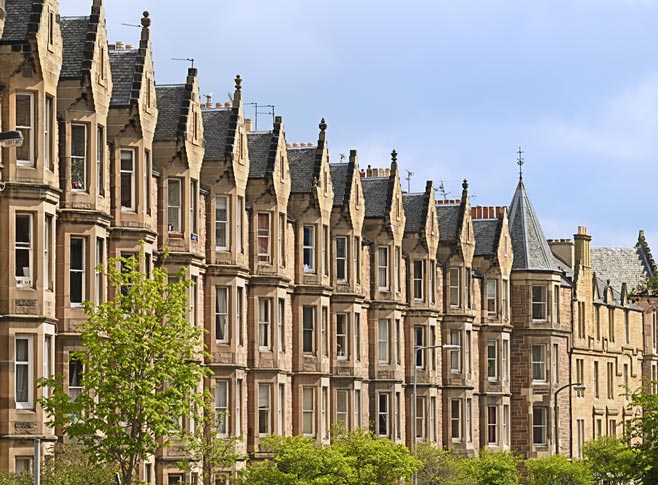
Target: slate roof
17, 20
302, 169
375, 193
487, 234
170, 101
415, 211
74, 36
448, 217
216, 125
531, 251
259, 153
339, 179
619, 265
122, 64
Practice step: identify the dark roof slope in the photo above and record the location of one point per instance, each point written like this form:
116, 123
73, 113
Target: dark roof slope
74, 34
531, 251
302, 169
216, 124
123, 65
619, 265
448, 218
259, 153
375, 193
487, 234
415, 210
339, 179
18, 17
170, 102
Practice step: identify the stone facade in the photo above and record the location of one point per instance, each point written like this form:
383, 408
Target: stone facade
314, 281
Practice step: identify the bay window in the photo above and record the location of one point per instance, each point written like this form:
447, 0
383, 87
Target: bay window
264, 324
221, 408
128, 180
308, 322
222, 223
341, 259
25, 124
539, 363
23, 249
77, 279
492, 290
308, 411
79, 157
309, 249
341, 336
264, 408
264, 234
221, 314
23, 372
538, 303
419, 279
454, 288
382, 268
174, 205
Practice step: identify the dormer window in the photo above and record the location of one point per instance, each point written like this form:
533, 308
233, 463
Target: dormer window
51, 28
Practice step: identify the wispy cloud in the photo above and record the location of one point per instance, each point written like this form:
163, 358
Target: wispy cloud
624, 130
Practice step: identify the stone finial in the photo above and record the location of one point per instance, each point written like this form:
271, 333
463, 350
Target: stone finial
322, 125
146, 21
394, 156
238, 83
465, 184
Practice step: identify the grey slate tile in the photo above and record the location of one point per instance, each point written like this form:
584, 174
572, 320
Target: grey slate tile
216, 124
122, 64
415, 211
74, 36
619, 265
487, 233
17, 19
170, 101
259, 153
302, 169
339, 174
375, 193
448, 217
531, 251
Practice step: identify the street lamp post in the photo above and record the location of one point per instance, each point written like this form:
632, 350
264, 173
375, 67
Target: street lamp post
578, 387
413, 404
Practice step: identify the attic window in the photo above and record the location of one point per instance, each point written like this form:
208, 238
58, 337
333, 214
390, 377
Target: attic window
282, 167
148, 92
101, 69
196, 125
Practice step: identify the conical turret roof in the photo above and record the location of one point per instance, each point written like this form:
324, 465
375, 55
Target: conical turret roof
531, 251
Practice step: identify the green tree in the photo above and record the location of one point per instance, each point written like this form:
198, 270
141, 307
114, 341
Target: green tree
441, 467
298, 460
68, 465
142, 363
611, 460
212, 452
643, 433
376, 461
494, 468
16, 479
558, 469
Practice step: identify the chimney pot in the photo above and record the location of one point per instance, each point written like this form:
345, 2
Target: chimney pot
288, 145
228, 104
248, 126
119, 45
295, 145
219, 105
111, 47
310, 144
129, 47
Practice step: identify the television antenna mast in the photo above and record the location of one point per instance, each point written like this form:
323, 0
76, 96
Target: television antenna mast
442, 191
409, 175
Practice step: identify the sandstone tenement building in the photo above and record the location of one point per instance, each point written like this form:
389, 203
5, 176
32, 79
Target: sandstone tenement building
315, 281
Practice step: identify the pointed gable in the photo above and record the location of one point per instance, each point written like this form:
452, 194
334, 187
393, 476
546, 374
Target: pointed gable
531, 251
306, 164
263, 150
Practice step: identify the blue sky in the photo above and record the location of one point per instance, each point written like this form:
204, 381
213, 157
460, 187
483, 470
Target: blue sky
454, 86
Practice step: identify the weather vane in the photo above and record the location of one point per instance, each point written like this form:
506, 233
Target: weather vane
520, 163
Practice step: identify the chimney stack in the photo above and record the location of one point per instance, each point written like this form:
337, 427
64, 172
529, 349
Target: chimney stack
248, 125
582, 246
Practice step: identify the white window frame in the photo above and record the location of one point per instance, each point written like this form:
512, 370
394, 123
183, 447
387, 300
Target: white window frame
419, 279
308, 411
100, 160
281, 410
98, 273
383, 340
29, 366
492, 298
76, 372
540, 425
539, 296
174, 208
492, 425
28, 132
342, 334
48, 246
308, 249
342, 407
454, 287
131, 173
24, 281
455, 354
264, 323
282, 239
282, 324
80, 158
357, 260
222, 423
492, 360
325, 250
341, 259
48, 133
384, 415
238, 407
239, 231
505, 363
193, 206
222, 223
506, 423
456, 420
264, 409
538, 363
222, 295
82, 272
382, 268
264, 235
505, 299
